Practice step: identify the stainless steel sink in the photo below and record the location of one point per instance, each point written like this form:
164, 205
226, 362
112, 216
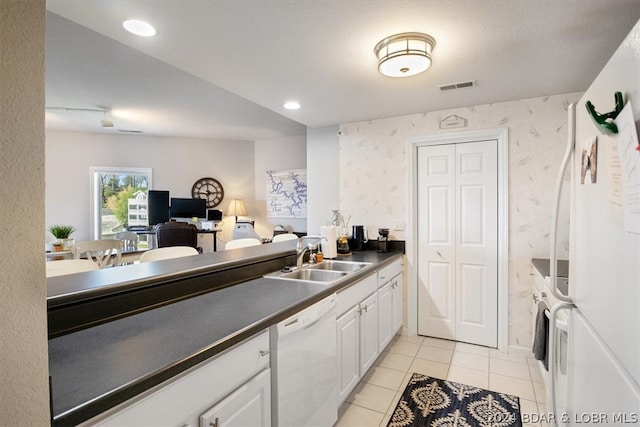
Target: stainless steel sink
314, 275
326, 272
347, 266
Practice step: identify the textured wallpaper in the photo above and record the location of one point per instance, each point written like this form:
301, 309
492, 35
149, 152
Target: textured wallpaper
374, 180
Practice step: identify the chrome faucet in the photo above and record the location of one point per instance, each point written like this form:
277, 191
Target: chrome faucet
300, 249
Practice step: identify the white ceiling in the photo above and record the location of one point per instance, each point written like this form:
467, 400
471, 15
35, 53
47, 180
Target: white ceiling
223, 69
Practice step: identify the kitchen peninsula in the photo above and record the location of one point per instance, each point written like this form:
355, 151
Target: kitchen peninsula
142, 325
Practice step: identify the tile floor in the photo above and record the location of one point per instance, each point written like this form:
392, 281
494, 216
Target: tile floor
376, 396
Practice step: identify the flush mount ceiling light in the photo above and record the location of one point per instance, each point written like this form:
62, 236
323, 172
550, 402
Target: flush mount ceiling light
139, 28
404, 54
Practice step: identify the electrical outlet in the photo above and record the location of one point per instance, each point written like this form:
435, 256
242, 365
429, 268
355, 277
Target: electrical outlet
399, 225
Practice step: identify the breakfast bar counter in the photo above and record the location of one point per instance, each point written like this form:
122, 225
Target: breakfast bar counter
96, 368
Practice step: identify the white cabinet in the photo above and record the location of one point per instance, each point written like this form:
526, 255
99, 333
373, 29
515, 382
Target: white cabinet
385, 316
348, 336
390, 301
355, 294
397, 303
181, 400
250, 405
369, 315
368, 332
387, 273
357, 333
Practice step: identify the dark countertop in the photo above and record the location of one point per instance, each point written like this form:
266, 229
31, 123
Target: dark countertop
543, 266
83, 286
97, 368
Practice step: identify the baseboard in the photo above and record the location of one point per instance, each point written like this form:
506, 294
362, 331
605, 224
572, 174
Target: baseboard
520, 349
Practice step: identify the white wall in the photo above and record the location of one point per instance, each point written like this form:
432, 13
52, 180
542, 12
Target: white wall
24, 396
323, 174
176, 164
276, 154
374, 181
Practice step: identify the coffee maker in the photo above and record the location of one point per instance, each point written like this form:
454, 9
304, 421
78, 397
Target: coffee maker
383, 239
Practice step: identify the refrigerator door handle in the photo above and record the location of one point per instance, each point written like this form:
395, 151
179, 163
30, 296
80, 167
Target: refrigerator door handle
553, 328
553, 256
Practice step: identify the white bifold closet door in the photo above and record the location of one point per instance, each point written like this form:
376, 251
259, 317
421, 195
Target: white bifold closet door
457, 242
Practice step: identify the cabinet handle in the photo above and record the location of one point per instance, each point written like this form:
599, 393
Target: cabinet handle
263, 353
215, 422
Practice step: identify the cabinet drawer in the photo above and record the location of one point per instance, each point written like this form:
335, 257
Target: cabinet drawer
386, 273
355, 293
182, 399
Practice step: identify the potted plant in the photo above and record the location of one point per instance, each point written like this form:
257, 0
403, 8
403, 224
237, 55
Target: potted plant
62, 233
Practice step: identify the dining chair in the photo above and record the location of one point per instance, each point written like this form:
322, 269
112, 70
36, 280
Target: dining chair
129, 240
242, 243
103, 252
69, 266
167, 253
177, 233
284, 237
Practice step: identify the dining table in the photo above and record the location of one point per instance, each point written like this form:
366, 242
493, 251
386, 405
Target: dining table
129, 255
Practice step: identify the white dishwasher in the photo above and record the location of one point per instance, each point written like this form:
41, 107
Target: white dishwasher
304, 367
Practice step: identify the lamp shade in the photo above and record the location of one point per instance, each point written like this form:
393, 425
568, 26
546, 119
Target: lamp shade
405, 54
236, 208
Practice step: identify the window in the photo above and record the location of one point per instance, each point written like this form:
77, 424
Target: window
119, 198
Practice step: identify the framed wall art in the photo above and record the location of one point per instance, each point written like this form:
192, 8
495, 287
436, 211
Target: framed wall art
287, 193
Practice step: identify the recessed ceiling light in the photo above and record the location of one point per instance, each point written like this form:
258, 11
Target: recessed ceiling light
139, 28
292, 105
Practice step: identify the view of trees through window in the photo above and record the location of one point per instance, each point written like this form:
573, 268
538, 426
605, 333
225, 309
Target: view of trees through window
120, 198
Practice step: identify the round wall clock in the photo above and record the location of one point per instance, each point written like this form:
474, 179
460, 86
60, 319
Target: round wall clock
209, 189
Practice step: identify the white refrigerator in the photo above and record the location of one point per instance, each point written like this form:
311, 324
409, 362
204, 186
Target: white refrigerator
602, 379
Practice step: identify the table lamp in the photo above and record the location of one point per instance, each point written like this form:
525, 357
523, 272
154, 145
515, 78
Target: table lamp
236, 208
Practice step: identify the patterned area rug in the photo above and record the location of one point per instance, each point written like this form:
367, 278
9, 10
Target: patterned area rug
432, 402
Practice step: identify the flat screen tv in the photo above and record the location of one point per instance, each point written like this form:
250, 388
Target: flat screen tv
188, 208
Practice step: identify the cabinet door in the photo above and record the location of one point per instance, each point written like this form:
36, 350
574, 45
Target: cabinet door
250, 405
180, 400
385, 307
368, 332
348, 333
398, 304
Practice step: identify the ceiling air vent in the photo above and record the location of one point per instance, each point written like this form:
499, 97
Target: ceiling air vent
460, 85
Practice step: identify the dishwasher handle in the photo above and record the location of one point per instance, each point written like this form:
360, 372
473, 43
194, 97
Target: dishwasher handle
312, 322
308, 317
